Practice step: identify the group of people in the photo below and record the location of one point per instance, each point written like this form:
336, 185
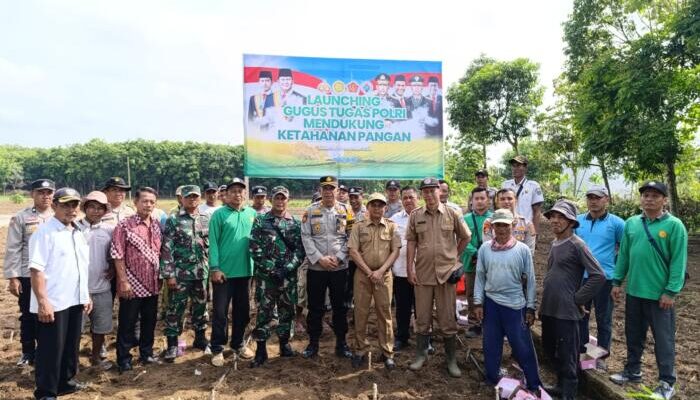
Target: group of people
345, 253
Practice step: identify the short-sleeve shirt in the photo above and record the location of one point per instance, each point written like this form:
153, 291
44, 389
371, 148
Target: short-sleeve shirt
22, 226
530, 194
62, 255
437, 234
99, 238
116, 215
138, 244
375, 241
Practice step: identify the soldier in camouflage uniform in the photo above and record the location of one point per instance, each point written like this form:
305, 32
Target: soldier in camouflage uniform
184, 266
277, 251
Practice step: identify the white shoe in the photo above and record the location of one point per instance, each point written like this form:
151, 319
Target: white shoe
217, 360
244, 353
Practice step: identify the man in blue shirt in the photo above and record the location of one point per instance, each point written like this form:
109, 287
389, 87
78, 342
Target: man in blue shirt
602, 232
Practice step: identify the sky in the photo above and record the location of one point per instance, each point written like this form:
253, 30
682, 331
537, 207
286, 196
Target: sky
71, 71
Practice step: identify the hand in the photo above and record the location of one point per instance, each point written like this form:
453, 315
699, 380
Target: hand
616, 293
583, 309
666, 302
412, 279
15, 287
529, 317
109, 274
328, 262
45, 313
479, 312
172, 284
87, 308
124, 290
217, 277
377, 277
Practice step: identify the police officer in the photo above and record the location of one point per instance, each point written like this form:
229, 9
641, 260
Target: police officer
355, 200
417, 105
343, 193
324, 232
185, 269
277, 252
116, 189
436, 235
259, 196
382, 90
392, 190
528, 193
22, 226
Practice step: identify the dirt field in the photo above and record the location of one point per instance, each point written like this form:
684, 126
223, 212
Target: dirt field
327, 377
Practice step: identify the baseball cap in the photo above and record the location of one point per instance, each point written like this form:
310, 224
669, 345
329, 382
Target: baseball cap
502, 216
280, 189
236, 181
259, 191
654, 185
482, 172
191, 189
597, 190
376, 197
520, 159
210, 186
66, 194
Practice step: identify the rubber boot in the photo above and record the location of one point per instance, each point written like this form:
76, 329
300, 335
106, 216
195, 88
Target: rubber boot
200, 340
568, 389
260, 354
171, 352
451, 356
421, 353
285, 349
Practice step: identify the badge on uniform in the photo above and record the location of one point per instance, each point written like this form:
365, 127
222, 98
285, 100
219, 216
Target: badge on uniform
316, 228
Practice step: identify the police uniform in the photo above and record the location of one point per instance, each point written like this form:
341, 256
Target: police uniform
375, 242
22, 226
114, 215
184, 256
415, 104
392, 208
324, 232
384, 100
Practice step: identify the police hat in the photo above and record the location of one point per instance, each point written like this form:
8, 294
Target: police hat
191, 189
382, 77
392, 184
236, 181
417, 79
654, 185
210, 186
40, 184
519, 159
116, 181
343, 188
481, 172
259, 191
265, 74
429, 183
355, 191
329, 181
285, 72
66, 194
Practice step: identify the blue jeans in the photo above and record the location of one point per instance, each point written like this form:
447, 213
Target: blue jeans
603, 317
640, 314
499, 321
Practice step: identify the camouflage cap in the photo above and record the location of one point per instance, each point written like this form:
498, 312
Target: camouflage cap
502, 216
280, 190
190, 190
178, 190
519, 159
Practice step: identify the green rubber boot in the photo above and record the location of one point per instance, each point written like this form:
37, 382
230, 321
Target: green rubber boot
421, 352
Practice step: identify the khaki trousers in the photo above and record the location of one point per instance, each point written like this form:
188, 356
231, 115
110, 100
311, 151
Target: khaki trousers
365, 290
445, 297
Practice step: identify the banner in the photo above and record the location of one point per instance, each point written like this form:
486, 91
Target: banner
361, 119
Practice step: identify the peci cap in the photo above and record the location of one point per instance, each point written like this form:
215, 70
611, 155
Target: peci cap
565, 208
376, 197
502, 216
519, 159
280, 190
597, 190
328, 181
41, 184
208, 186
259, 191
66, 194
265, 74
190, 189
285, 72
654, 185
429, 183
236, 181
392, 184
116, 181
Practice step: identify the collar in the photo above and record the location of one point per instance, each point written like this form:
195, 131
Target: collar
182, 212
522, 182
286, 215
59, 226
441, 209
138, 220
486, 213
601, 218
236, 210
663, 216
382, 221
84, 222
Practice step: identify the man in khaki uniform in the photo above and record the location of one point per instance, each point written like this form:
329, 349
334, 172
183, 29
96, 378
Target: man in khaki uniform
21, 228
436, 235
374, 246
116, 189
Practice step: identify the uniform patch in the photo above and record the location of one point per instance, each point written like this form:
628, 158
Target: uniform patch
305, 217
662, 234
316, 228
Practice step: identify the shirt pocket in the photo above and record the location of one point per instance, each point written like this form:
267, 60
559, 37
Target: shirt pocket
341, 224
318, 227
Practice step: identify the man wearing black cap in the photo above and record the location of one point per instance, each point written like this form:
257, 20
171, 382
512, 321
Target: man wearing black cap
116, 189
259, 198
564, 296
417, 105
22, 226
259, 103
652, 259
324, 232
393, 191
355, 200
435, 109
482, 181
398, 97
58, 260
343, 193
211, 192
528, 193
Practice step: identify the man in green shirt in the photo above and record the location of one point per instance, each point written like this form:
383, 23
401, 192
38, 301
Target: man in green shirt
230, 268
475, 221
652, 258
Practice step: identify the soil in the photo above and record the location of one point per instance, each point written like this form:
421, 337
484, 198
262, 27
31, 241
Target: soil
327, 377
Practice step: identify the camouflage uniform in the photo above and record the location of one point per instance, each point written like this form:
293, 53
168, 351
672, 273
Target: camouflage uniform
184, 256
276, 263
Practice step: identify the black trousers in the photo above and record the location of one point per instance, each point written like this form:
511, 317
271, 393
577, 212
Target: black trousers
317, 282
27, 320
58, 343
236, 291
130, 310
560, 342
349, 288
405, 301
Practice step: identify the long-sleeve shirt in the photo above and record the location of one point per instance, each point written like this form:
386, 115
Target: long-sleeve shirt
275, 242
229, 241
185, 247
563, 291
22, 226
499, 273
647, 275
325, 232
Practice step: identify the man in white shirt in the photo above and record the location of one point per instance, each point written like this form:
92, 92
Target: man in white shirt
58, 261
528, 193
211, 195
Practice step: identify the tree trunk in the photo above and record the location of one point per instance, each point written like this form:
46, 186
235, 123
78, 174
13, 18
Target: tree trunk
672, 188
483, 150
604, 172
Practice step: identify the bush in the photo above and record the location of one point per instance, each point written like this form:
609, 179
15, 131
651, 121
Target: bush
17, 198
688, 211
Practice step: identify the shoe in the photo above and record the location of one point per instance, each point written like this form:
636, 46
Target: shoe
48, 398
342, 350
552, 390
451, 356
244, 353
389, 363
126, 366
103, 351
473, 332
25, 359
601, 365
104, 365
171, 352
400, 344
357, 361
311, 350
431, 349
260, 354
200, 340
421, 352
217, 360
664, 391
286, 349
626, 377
71, 386
149, 360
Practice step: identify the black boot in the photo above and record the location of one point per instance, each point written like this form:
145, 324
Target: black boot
200, 340
171, 352
311, 350
285, 349
260, 354
342, 349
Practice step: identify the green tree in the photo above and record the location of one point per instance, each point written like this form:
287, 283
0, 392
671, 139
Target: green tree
495, 101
